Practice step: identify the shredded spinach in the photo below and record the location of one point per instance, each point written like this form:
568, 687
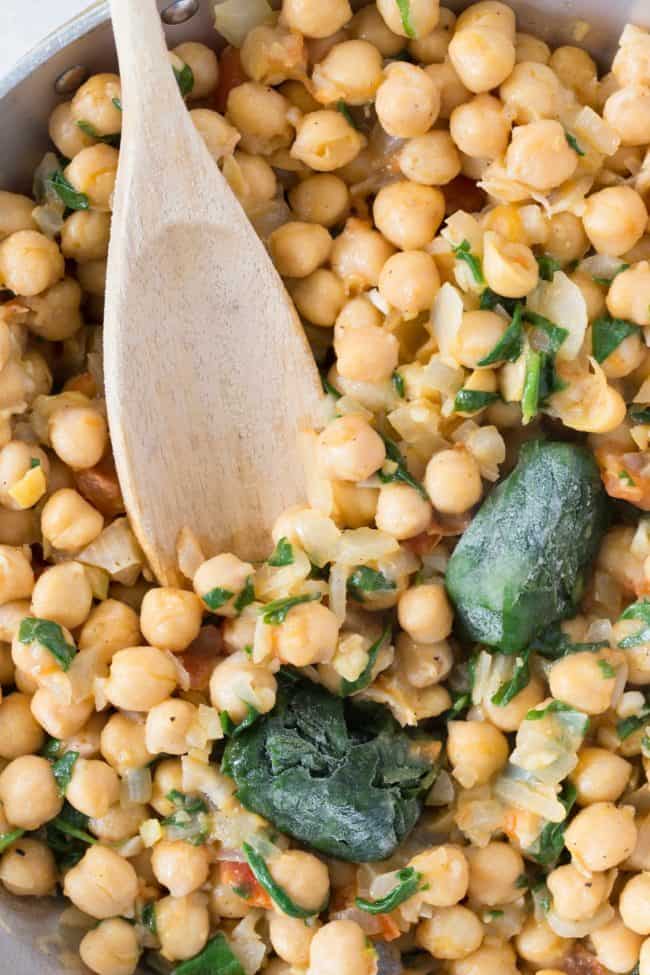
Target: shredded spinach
217, 958
408, 884
627, 726
530, 399
637, 611
185, 79
217, 597
607, 281
283, 554
509, 346
148, 917
404, 8
364, 579
490, 299
51, 749
6, 839
68, 837
553, 643
473, 400
550, 843
519, 680
246, 596
118, 103
607, 334
346, 113
555, 334
110, 140
397, 380
66, 191
606, 669
62, 770
276, 612
231, 729
49, 635
555, 707
189, 817
639, 414
353, 686
463, 252
573, 142
328, 388
547, 266
401, 472
277, 894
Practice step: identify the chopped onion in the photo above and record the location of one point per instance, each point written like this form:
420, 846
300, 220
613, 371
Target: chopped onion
562, 301
234, 19
99, 580
117, 551
359, 546
579, 929
247, 944
135, 787
517, 788
588, 127
369, 923
189, 553
378, 301
444, 375
319, 489
338, 579
41, 189
49, 219
601, 265
479, 815
374, 396
262, 641
489, 450
446, 318
599, 630
318, 535
274, 582
441, 792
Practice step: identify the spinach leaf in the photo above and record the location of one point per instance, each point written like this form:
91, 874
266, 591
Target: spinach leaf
52, 748
401, 472
509, 346
459, 703
6, 839
148, 917
62, 770
328, 388
245, 597
397, 380
627, 726
404, 7
637, 611
530, 399
520, 679
364, 579
463, 252
68, 837
185, 79
550, 843
118, 103
339, 775
345, 112
283, 554
353, 686
66, 192
49, 635
110, 140
520, 564
408, 884
190, 804
554, 333
277, 894
552, 643
606, 669
276, 612
555, 707
573, 142
229, 726
490, 299
607, 281
608, 333
639, 414
217, 958
217, 597
547, 266
473, 400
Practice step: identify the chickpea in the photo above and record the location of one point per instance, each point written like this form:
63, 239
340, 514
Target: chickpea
168, 776
34, 660
577, 71
402, 511
111, 626
615, 219
303, 876
313, 19
407, 102
78, 435
15, 213
480, 331
64, 132
252, 180
20, 734
508, 717
291, 939
29, 262
28, 869
219, 136
103, 884
140, 678
351, 71
617, 948
180, 866
359, 254
111, 948
237, 682
425, 613
16, 575
297, 249
366, 354
625, 358
308, 635
452, 90
56, 313
204, 65
368, 25
170, 618
482, 56
123, 744
63, 594
477, 750
339, 948
510, 269
423, 664
489, 959
446, 871
408, 214
586, 680
120, 823
167, 726
493, 873
68, 522
409, 281
225, 576
183, 925
322, 199
325, 140
355, 506
431, 159
529, 48
629, 295
319, 297
94, 104
489, 13
93, 171
16, 459
59, 718
422, 17
29, 793
92, 277
567, 240
540, 156
532, 92
634, 903
539, 945
599, 776
480, 127
259, 113
432, 47
627, 111
453, 481
601, 836
451, 933
225, 903
94, 787
576, 897
238, 632
349, 449
85, 234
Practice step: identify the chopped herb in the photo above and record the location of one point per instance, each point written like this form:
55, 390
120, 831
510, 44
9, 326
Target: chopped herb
110, 140
637, 611
473, 400
606, 669
460, 703
262, 874
550, 843
185, 79
490, 299
553, 643
463, 253
6, 839
217, 597
645, 746
542, 895
66, 191
283, 554
493, 915
241, 891
346, 113
34, 462
555, 334
608, 333
547, 266
364, 579
276, 612
607, 281
627, 726
554, 707
246, 596
639, 415
404, 8
49, 635
329, 389
408, 884
148, 917
353, 686
67, 836
118, 103
573, 142
532, 380
51, 749
248, 649
231, 729
189, 818
509, 346
397, 380
626, 478
401, 473
62, 770
217, 958
519, 680
190, 804
521, 883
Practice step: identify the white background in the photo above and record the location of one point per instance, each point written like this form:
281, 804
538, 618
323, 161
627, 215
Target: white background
23, 23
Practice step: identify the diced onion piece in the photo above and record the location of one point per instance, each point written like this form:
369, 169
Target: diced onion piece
49, 219
45, 407
601, 265
319, 488
360, 546
99, 580
441, 792
444, 375
247, 944
189, 554
446, 318
479, 815
42, 190
117, 551
489, 450
234, 19
417, 424
338, 589
600, 630
562, 301
274, 582
318, 536
590, 129
374, 396
513, 789
135, 787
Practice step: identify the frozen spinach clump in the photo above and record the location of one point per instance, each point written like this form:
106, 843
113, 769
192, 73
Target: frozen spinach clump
340, 776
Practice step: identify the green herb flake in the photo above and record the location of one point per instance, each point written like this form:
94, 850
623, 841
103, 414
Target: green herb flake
575, 145
397, 380
490, 299
68, 837
408, 884
639, 414
276, 612
606, 669
364, 579
185, 79
246, 596
217, 958
460, 703
532, 380
231, 729
401, 472
346, 113
34, 462
607, 281
521, 883
555, 707
354, 686
509, 346
645, 746
217, 597
328, 388
542, 895
626, 478
283, 554
607, 334
6, 839
555, 334
628, 726
190, 804
637, 611
550, 843
51, 749
118, 103
49, 635
547, 266
148, 917
278, 895
463, 252
62, 770
553, 643
519, 680
404, 8
493, 916
66, 191
473, 400
90, 130
189, 818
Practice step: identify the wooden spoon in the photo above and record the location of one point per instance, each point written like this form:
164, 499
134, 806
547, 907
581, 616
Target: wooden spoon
209, 376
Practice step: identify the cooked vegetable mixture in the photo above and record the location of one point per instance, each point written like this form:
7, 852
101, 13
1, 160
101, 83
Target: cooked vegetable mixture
417, 737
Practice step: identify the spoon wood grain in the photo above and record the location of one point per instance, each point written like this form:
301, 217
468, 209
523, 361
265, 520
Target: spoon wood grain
209, 377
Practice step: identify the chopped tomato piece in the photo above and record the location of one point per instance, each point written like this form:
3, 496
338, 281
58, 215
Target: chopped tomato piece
240, 877
231, 74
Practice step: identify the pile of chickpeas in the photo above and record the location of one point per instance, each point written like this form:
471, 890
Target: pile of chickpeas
373, 152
